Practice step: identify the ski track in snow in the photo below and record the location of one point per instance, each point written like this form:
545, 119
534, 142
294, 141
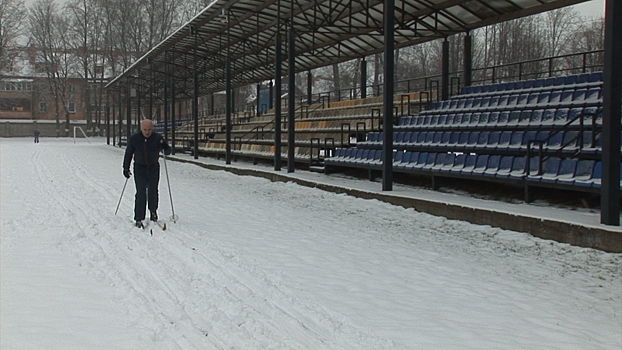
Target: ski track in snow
258, 265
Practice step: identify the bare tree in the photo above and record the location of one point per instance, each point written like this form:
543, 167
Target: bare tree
49, 32
12, 15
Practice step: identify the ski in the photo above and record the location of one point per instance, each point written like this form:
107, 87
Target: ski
161, 224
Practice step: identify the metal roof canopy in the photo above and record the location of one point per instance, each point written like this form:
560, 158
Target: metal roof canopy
327, 32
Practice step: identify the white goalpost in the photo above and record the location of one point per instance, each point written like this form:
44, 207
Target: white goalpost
82, 131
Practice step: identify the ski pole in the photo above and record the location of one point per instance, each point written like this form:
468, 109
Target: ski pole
168, 183
115, 212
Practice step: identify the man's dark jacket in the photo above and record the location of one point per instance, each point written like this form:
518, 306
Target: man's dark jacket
146, 151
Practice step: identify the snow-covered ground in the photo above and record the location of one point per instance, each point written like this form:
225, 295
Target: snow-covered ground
253, 264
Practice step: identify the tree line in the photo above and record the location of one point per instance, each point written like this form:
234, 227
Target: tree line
96, 39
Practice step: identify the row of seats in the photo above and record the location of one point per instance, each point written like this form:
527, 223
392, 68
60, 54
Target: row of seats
577, 81
567, 171
535, 100
512, 141
536, 118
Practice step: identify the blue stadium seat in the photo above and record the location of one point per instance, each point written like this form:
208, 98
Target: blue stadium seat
543, 99
514, 117
438, 162
555, 99
430, 161
458, 164
551, 170
480, 164
505, 167
560, 81
582, 78
532, 101
422, 160
412, 160
536, 117
591, 179
574, 113
516, 141
567, 170
512, 100
570, 140
429, 138
561, 116
362, 157
549, 82
538, 83
529, 136
502, 118
519, 85
521, 102
502, 102
504, 140
454, 138
489, 118
463, 140
493, 140
469, 164
555, 142
518, 168
492, 166
596, 77
566, 97
548, 117
473, 138
404, 159
413, 137
482, 139
593, 96
450, 162
578, 98
438, 138
525, 116
528, 84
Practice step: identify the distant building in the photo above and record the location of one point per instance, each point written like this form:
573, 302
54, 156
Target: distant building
26, 92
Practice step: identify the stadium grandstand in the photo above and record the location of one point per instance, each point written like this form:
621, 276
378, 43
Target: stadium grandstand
560, 132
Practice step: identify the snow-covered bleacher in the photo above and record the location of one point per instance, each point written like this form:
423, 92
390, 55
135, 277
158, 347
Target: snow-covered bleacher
489, 132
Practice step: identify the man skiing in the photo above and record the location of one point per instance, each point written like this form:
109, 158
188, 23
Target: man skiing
145, 147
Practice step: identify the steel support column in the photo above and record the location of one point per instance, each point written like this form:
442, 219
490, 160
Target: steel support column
363, 78
166, 104
151, 89
195, 95
108, 123
173, 124
228, 106
468, 60
445, 71
278, 120
309, 87
120, 118
271, 92
258, 102
129, 115
612, 105
388, 88
291, 101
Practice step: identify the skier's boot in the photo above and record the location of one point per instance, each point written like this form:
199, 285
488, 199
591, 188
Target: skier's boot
154, 215
139, 224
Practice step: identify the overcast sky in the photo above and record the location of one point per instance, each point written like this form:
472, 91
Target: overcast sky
590, 8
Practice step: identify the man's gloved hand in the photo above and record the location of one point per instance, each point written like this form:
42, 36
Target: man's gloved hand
127, 173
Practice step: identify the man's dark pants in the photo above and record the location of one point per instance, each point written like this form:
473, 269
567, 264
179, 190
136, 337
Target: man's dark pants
146, 179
